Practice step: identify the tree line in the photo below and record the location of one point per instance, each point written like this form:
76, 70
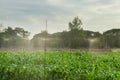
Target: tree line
75, 38
13, 38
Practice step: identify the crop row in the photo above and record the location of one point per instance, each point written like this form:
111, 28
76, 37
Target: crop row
59, 65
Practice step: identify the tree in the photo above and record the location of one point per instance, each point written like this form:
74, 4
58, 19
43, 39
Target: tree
111, 38
75, 38
75, 24
1, 39
10, 37
38, 41
21, 32
65, 39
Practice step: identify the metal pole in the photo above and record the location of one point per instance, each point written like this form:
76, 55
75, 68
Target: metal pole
45, 37
45, 49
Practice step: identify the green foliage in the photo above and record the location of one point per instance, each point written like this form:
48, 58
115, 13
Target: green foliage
76, 37
59, 65
10, 37
111, 38
52, 40
75, 24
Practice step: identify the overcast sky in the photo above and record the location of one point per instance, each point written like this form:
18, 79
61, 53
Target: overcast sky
96, 15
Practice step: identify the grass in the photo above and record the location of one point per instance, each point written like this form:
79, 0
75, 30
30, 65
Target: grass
59, 65
117, 50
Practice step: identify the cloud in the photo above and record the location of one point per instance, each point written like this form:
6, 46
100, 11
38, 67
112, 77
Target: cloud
95, 14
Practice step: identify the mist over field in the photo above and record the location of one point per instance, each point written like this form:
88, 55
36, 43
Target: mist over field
73, 38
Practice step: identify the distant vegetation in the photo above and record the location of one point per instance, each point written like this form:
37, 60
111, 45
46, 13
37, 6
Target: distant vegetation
75, 38
14, 38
